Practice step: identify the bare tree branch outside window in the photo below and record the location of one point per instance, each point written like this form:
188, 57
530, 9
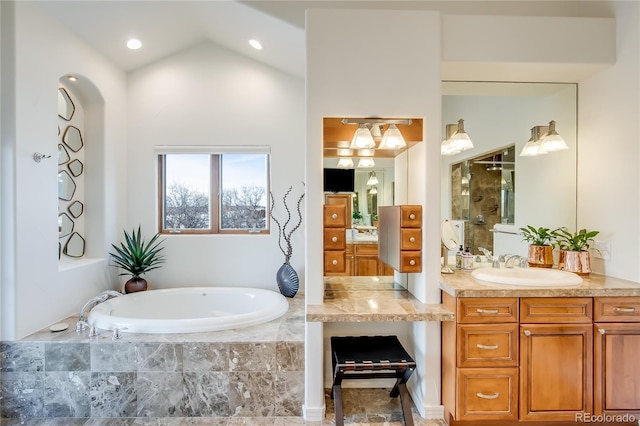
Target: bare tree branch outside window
186, 208
243, 208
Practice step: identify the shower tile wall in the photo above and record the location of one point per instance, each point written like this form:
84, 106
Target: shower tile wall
222, 374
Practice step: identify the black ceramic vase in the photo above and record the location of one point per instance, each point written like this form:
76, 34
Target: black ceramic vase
287, 280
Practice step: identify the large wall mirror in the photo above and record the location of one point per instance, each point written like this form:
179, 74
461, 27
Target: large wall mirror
493, 190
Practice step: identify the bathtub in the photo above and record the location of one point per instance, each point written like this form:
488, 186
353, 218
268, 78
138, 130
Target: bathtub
188, 310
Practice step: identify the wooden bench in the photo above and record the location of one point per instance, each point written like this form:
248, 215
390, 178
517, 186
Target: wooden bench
371, 357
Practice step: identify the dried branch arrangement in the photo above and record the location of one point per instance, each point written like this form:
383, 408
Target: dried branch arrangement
284, 234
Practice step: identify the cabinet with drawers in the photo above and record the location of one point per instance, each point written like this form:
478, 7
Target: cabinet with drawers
540, 359
400, 237
335, 244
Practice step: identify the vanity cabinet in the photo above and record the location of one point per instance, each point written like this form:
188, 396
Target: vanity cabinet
400, 237
556, 358
540, 359
616, 348
335, 244
366, 260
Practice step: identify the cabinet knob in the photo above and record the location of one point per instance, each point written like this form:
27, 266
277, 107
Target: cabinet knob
412, 262
412, 216
527, 333
334, 239
626, 310
412, 239
334, 262
334, 216
601, 330
485, 396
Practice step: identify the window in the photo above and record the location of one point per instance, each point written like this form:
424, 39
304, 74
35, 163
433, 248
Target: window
213, 192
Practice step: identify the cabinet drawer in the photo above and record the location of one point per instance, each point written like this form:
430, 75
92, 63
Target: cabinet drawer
487, 394
411, 239
617, 309
366, 249
334, 261
410, 216
335, 216
410, 261
487, 309
334, 239
540, 310
491, 345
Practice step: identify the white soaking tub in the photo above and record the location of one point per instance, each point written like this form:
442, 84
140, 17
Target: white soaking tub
188, 310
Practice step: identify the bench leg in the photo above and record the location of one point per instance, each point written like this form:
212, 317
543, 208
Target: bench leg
405, 401
336, 391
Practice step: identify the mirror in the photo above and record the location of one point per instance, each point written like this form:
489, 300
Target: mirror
66, 186
74, 246
76, 209
72, 138
65, 225
75, 167
63, 154
498, 116
65, 105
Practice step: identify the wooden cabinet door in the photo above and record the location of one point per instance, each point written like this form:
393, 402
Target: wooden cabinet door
616, 369
366, 266
556, 371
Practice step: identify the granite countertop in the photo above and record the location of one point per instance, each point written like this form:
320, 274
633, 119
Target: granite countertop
372, 299
462, 284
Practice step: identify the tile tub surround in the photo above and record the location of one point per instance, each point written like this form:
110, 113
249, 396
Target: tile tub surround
245, 373
462, 284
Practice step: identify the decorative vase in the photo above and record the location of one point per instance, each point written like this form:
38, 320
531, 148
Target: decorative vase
135, 284
540, 256
287, 280
578, 262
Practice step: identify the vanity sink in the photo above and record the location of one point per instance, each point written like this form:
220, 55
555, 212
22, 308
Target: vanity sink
532, 277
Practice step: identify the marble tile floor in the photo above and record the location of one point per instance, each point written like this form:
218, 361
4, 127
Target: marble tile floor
361, 407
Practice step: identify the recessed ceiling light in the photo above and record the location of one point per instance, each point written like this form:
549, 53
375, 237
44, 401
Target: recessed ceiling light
255, 44
134, 44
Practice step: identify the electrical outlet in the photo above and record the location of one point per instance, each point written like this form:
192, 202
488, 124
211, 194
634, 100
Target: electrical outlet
602, 250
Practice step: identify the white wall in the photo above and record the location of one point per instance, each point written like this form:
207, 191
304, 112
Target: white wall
36, 292
208, 95
339, 83
608, 151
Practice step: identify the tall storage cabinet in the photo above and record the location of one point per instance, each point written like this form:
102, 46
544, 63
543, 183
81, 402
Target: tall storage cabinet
335, 239
400, 237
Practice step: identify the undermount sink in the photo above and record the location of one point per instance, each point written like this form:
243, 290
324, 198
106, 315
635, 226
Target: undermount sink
533, 277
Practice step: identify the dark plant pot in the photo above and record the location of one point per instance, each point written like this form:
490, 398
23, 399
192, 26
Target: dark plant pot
135, 284
578, 262
540, 256
287, 280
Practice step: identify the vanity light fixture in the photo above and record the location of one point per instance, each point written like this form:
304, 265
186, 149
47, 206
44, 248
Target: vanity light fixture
366, 163
458, 141
373, 190
345, 163
553, 141
134, 44
392, 138
362, 139
373, 179
533, 147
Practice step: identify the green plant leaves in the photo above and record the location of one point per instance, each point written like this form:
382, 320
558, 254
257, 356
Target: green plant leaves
135, 256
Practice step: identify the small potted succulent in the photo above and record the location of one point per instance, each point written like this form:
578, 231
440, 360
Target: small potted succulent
136, 258
540, 245
574, 253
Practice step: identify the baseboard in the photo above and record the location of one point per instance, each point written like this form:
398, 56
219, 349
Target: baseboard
313, 414
432, 411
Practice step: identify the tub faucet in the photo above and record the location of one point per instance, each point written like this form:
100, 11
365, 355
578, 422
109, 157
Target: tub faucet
82, 319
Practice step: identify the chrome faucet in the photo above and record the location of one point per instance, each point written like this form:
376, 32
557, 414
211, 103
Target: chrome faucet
486, 253
82, 319
515, 260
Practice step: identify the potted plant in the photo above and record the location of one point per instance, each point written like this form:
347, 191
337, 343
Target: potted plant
540, 245
136, 258
574, 254
357, 216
